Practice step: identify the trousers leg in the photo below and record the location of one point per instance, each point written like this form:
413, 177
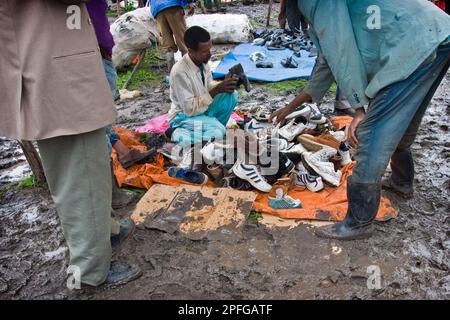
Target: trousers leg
168, 43
177, 24
223, 106
79, 178
391, 114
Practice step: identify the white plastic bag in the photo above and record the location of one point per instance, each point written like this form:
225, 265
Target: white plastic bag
132, 32
224, 28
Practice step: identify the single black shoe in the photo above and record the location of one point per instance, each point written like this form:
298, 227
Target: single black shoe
403, 191
264, 64
363, 204
289, 63
121, 273
341, 231
238, 71
126, 229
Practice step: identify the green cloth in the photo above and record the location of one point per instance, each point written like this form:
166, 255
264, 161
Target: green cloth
78, 173
208, 4
364, 60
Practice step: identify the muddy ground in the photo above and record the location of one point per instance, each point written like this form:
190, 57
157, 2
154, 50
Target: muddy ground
412, 251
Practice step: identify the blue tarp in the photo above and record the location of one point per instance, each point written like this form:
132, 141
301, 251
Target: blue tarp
241, 54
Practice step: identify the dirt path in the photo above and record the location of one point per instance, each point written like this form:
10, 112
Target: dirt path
412, 252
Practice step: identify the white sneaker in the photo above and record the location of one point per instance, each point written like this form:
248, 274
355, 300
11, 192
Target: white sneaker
277, 143
338, 135
251, 174
344, 152
305, 112
313, 183
319, 164
254, 126
211, 154
296, 148
317, 118
291, 130
186, 161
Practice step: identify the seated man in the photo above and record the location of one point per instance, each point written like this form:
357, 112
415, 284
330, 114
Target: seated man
199, 110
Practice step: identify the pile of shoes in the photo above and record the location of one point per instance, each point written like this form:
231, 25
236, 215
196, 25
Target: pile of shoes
303, 151
280, 39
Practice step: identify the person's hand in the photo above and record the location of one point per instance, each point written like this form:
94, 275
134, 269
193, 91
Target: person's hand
282, 19
228, 85
352, 138
281, 114
191, 9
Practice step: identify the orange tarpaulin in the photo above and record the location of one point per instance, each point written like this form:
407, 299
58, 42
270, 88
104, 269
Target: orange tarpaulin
329, 204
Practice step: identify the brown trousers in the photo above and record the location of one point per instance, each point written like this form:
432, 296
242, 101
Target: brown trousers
172, 24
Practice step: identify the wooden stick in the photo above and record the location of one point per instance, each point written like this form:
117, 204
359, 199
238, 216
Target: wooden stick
34, 160
269, 13
141, 57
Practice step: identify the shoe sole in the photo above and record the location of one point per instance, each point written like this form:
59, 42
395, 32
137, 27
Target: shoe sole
325, 235
312, 145
126, 280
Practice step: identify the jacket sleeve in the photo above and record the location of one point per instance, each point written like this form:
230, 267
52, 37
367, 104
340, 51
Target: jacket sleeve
190, 104
321, 80
332, 32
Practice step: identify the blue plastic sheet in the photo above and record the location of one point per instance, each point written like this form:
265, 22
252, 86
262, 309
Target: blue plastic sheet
241, 54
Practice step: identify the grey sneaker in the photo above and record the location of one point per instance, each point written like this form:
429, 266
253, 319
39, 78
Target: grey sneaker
121, 273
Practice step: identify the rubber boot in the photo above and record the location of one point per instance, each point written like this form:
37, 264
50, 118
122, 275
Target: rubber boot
402, 177
120, 198
238, 71
363, 203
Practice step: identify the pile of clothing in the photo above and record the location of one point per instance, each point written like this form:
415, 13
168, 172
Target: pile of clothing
304, 150
281, 39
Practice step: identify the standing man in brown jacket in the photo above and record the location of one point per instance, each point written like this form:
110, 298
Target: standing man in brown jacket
54, 91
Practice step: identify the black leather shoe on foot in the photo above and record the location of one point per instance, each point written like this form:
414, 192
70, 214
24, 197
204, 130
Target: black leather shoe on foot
341, 231
126, 229
405, 192
121, 273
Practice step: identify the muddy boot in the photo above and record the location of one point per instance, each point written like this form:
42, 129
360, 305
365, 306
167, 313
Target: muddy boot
402, 177
120, 198
126, 229
363, 203
170, 60
121, 273
238, 72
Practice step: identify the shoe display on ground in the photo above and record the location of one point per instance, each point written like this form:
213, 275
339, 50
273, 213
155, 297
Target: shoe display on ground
313, 143
318, 164
304, 178
251, 174
344, 152
188, 175
293, 128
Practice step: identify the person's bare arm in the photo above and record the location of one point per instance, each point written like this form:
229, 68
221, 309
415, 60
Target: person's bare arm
300, 99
